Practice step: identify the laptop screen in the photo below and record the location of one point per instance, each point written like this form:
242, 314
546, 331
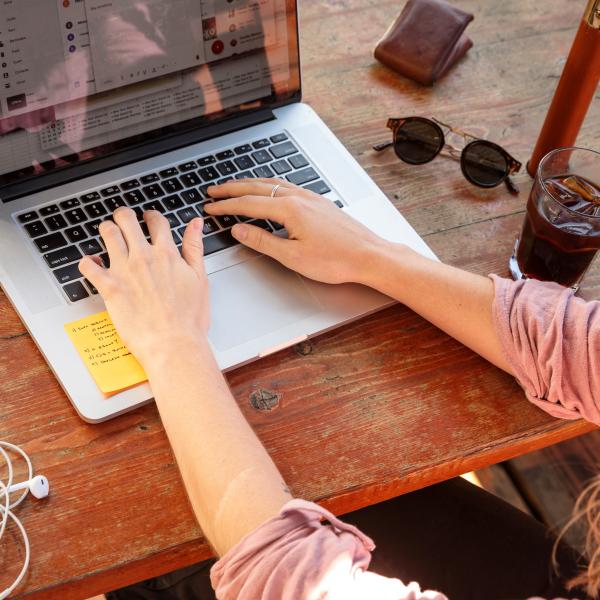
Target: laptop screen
82, 79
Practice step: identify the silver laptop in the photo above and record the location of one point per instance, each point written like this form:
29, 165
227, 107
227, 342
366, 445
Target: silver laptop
144, 103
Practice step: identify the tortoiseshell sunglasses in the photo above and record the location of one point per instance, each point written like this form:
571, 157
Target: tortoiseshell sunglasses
418, 140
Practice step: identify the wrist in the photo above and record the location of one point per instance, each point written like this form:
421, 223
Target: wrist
379, 263
160, 354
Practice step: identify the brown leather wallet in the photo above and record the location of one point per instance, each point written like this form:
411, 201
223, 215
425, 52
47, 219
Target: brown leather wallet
425, 40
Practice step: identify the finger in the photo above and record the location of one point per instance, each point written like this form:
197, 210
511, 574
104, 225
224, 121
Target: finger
113, 240
160, 231
132, 232
93, 272
257, 207
249, 187
261, 241
192, 247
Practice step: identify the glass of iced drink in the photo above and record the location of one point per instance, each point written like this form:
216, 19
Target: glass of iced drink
561, 233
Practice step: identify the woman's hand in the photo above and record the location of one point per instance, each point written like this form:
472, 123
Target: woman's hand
323, 243
155, 298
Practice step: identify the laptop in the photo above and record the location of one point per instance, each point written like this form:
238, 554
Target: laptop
144, 103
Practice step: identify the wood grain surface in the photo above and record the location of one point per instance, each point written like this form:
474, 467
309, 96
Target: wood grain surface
372, 410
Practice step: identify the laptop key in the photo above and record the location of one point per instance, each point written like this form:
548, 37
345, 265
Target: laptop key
50, 242
55, 222
96, 210
281, 166
91, 247
304, 176
281, 150
91, 286
224, 180
227, 168
245, 175
209, 174
91, 197
244, 162
139, 213
28, 216
187, 214
129, 185
339, 204
298, 161
264, 172
69, 273
190, 179
49, 210
280, 137
191, 196
173, 220
92, 227
172, 185
153, 191
261, 144
69, 204
75, 291
209, 226
176, 238
36, 228
206, 160
110, 191
218, 241
105, 259
155, 205
318, 187
225, 154
188, 166
134, 197
150, 178
262, 156
62, 257
170, 172
144, 228
75, 216
226, 221
173, 202
243, 149
262, 224
75, 234
113, 203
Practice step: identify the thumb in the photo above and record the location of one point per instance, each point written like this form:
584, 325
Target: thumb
260, 240
193, 248
97, 275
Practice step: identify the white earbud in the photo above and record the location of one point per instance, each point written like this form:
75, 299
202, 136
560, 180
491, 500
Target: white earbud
38, 486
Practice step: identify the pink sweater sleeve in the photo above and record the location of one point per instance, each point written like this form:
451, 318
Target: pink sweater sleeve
293, 556
551, 340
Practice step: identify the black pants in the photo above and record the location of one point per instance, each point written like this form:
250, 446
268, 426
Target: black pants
452, 537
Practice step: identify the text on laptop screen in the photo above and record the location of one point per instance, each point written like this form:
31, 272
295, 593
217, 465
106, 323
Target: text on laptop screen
84, 78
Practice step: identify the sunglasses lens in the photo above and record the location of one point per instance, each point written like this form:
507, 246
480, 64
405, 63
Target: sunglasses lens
484, 164
418, 141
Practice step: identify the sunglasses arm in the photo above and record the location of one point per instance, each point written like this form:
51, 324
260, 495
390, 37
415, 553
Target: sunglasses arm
384, 146
511, 186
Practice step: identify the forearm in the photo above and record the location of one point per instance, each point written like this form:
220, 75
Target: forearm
456, 301
232, 483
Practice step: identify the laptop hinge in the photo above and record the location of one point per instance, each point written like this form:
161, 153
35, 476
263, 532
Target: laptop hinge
134, 154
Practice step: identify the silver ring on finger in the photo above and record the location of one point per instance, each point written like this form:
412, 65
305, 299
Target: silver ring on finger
274, 190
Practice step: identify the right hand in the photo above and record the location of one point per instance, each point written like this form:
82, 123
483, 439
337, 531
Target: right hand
323, 242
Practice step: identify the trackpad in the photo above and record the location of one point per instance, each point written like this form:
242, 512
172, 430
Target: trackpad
255, 298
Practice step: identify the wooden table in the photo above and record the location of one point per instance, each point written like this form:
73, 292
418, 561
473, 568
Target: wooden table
364, 413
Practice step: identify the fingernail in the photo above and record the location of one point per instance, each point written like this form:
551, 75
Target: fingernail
240, 232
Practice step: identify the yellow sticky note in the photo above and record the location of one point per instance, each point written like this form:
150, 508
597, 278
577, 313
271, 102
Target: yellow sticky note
111, 365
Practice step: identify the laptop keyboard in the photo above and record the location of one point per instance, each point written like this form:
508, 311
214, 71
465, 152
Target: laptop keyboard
66, 231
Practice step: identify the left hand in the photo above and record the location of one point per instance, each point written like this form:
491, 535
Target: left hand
156, 298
